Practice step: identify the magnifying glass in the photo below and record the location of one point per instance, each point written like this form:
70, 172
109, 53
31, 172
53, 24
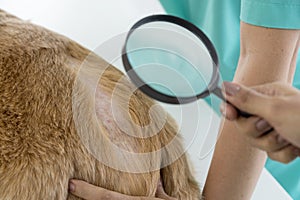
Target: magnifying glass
171, 60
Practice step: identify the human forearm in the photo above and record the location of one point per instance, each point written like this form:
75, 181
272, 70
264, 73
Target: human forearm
266, 56
235, 167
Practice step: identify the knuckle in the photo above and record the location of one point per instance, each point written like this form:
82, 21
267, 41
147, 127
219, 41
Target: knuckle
282, 156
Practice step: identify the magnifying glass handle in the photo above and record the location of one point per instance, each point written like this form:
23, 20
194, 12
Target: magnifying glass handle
218, 93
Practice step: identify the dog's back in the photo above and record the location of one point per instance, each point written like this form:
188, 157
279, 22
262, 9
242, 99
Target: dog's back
54, 125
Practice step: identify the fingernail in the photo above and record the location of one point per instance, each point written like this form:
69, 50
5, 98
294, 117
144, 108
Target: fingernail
71, 187
262, 125
231, 89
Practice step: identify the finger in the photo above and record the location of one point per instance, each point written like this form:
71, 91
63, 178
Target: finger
86, 191
228, 111
285, 155
247, 99
252, 127
263, 126
90, 192
270, 142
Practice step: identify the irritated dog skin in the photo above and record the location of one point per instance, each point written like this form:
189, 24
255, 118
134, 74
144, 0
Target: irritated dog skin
54, 126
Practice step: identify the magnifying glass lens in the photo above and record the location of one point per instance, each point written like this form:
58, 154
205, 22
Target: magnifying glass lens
169, 59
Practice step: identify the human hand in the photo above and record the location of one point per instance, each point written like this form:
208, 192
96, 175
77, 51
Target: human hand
278, 106
90, 192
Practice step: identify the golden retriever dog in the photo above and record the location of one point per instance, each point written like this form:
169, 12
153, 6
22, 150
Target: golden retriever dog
66, 113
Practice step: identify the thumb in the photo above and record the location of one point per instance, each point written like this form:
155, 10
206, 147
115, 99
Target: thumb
246, 99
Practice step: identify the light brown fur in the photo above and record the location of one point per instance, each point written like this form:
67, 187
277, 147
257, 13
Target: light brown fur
44, 101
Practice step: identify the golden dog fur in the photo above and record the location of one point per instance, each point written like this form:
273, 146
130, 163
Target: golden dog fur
42, 97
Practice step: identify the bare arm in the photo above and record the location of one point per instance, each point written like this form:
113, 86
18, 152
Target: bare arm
267, 55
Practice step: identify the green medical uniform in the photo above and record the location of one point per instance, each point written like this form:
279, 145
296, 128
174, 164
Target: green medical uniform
220, 20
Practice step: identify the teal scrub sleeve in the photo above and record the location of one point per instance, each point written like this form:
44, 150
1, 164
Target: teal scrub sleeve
283, 14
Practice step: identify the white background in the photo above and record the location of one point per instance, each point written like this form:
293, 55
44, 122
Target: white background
95, 21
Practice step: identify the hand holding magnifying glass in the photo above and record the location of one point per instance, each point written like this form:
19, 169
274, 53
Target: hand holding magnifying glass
278, 106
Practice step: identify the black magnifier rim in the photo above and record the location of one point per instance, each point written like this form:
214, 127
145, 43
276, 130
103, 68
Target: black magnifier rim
154, 93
